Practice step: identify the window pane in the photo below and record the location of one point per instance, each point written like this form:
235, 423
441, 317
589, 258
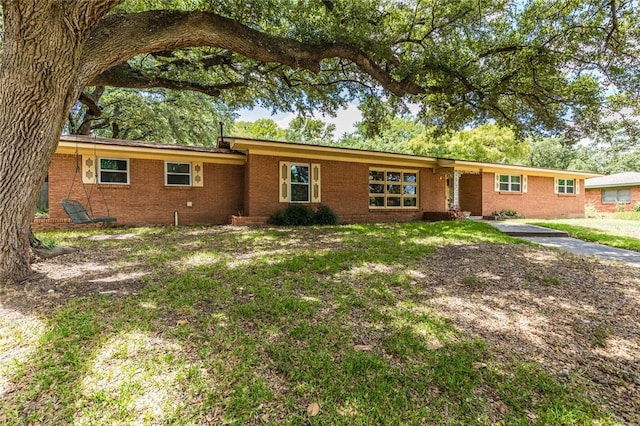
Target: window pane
504, 186
569, 190
109, 164
515, 187
178, 180
410, 202
393, 176
393, 189
376, 201
113, 177
299, 174
376, 188
393, 201
410, 177
178, 168
409, 189
376, 175
299, 192
624, 195
560, 182
561, 190
515, 179
504, 178
609, 196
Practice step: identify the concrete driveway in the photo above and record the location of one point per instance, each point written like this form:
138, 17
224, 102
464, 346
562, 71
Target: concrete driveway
560, 240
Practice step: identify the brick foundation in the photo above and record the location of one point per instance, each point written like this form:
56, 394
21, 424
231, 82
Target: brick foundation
44, 224
249, 220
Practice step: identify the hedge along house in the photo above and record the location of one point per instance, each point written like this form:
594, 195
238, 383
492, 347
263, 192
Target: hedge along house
243, 181
616, 192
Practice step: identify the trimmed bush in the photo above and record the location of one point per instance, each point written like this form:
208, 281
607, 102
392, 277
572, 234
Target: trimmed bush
279, 218
294, 215
325, 216
301, 215
636, 208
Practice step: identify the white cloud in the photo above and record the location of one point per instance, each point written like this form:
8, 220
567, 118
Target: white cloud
345, 120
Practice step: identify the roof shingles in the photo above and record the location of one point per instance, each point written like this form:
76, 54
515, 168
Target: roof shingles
617, 179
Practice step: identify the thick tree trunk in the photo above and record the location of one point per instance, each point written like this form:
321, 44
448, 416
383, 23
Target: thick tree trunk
53, 48
38, 62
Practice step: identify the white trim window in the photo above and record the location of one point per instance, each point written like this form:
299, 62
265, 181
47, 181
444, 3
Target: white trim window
616, 195
510, 183
393, 189
566, 186
299, 182
113, 171
177, 174
299, 175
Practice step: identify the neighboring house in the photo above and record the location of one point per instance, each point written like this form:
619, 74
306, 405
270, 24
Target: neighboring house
244, 181
617, 192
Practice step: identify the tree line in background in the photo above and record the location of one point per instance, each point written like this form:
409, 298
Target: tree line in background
192, 118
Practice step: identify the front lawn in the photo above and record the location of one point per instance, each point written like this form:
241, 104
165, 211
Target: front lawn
411, 323
618, 233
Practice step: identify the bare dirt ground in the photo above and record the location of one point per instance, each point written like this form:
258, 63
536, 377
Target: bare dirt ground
576, 317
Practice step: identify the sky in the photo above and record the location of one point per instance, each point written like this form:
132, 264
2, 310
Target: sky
344, 120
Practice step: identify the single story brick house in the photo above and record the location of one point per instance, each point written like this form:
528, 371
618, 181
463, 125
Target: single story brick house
611, 193
244, 181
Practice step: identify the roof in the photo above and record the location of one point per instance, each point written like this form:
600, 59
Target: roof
332, 152
618, 179
235, 149
119, 148
143, 144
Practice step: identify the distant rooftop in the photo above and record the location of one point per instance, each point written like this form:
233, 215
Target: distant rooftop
618, 179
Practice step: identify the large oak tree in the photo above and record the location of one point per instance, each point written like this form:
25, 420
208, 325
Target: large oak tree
545, 65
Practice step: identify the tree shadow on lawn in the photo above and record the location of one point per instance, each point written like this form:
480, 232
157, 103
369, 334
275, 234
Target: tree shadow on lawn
379, 326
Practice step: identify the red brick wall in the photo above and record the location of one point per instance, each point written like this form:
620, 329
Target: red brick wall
146, 200
594, 198
433, 188
470, 194
344, 187
539, 201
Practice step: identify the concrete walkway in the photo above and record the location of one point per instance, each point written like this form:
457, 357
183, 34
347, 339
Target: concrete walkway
516, 229
560, 240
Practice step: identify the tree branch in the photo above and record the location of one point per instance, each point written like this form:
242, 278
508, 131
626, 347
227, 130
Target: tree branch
121, 36
91, 101
124, 76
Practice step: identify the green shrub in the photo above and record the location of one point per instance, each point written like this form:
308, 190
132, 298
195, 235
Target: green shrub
325, 216
294, 215
506, 214
301, 215
636, 208
279, 218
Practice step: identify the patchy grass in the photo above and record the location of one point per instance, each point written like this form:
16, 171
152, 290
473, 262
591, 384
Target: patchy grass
607, 235
226, 325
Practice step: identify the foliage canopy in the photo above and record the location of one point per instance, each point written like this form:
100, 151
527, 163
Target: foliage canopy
542, 66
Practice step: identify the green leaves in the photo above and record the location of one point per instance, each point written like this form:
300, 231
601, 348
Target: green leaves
165, 116
542, 66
